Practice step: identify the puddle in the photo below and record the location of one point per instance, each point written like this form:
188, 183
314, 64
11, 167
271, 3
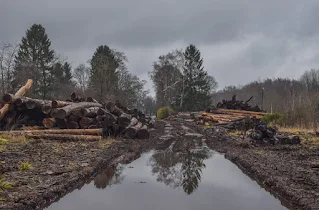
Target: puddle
196, 179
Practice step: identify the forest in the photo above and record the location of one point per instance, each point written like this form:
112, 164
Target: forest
179, 79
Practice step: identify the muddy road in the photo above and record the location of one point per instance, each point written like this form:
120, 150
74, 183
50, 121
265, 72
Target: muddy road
37, 173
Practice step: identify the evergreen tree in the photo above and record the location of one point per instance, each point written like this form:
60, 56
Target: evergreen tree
67, 73
34, 61
196, 84
104, 72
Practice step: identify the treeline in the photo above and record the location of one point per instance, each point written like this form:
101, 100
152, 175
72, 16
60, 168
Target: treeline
181, 82
296, 99
104, 77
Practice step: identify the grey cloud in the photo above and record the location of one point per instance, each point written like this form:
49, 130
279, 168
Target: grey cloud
240, 40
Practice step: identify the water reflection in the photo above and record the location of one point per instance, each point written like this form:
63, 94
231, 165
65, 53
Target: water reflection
108, 177
182, 169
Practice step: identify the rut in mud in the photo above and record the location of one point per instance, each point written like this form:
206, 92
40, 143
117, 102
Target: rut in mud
184, 175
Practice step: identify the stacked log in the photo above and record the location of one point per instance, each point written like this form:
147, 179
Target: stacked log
236, 105
76, 113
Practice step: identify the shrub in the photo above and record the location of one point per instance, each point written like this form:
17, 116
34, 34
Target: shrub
273, 118
164, 112
25, 166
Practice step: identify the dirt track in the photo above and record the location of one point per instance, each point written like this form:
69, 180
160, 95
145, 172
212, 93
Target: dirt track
58, 168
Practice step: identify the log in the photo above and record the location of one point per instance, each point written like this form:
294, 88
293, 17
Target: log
124, 120
143, 133
74, 96
109, 119
151, 123
67, 110
246, 102
85, 122
21, 92
91, 112
74, 117
49, 122
32, 103
97, 132
46, 108
59, 104
72, 125
9, 98
54, 112
90, 99
64, 137
129, 131
61, 123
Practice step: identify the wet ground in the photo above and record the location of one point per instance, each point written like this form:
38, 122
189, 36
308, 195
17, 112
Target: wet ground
35, 174
197, 179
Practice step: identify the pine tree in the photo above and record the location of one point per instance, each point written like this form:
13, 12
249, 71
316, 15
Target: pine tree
67, 73
104, 74
196, 86
34, 61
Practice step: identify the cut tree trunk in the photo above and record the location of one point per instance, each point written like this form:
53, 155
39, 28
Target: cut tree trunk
143, 133
72, 125
49, 122
61, 123
85, 122
21, 92
67, 110
124, 120
91, 112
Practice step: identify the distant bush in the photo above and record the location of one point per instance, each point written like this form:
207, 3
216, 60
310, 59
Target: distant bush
164, 112
273, 118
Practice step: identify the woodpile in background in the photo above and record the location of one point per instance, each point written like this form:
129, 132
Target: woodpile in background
226, 117
74, 118
237, 105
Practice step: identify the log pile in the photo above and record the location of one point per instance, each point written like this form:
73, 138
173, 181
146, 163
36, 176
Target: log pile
73, 118
236, 105
231, 118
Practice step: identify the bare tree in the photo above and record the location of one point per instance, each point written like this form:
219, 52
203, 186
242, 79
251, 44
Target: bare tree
7, 54
82, 75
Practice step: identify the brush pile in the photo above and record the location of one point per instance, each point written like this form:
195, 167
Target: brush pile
266, 134
79, 116
237, 105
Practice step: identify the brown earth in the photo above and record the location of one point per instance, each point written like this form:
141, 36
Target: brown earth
37, 173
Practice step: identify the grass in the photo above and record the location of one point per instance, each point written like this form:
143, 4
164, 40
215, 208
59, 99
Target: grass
25, 166
307, 135
12, 139
105, 143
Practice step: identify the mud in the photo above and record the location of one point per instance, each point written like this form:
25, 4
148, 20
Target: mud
291, 173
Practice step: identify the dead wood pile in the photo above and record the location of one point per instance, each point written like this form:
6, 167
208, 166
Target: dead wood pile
237, 105
78, 117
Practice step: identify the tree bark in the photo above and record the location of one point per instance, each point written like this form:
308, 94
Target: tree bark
72, 125
143, 133
59, 104
85, 122
67, 110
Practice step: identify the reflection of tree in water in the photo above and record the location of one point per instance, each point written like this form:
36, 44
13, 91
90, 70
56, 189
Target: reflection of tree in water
108, 177
180, 169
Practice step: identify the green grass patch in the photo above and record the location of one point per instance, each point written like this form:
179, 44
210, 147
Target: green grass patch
25, 166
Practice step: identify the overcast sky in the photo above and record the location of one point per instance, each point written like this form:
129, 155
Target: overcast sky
240, 40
